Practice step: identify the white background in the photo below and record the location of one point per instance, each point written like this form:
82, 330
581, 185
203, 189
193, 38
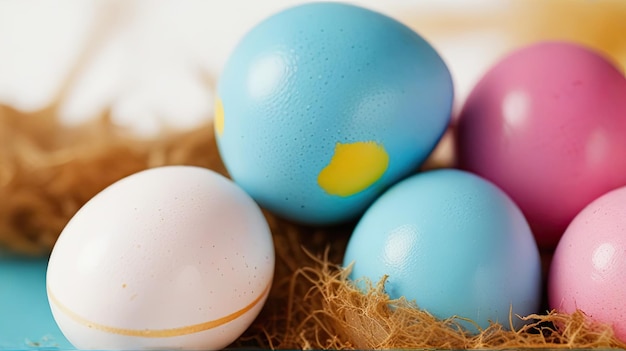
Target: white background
155, 62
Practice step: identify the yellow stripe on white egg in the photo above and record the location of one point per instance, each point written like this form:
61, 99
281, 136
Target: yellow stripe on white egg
158, 333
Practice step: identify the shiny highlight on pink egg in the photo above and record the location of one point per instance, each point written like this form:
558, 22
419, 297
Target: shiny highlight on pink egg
588, 270
547, 125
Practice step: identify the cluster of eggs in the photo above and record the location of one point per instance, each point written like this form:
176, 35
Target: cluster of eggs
325, 113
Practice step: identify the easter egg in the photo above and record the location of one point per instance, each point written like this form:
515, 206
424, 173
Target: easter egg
547, 125
323, 105
454, 243
174, 257
588, 270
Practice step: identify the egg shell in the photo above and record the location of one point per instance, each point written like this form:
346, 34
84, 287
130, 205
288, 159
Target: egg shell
175, 257
323, 105
452, 242
547, 125
588, 270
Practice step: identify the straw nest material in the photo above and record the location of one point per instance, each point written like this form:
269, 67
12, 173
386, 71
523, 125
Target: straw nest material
49, 171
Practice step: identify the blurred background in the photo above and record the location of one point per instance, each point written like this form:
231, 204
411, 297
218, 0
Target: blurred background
154, 63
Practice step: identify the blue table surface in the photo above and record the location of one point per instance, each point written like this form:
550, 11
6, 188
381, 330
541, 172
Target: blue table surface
26, 321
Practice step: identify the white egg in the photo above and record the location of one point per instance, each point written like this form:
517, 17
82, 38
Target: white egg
174, 257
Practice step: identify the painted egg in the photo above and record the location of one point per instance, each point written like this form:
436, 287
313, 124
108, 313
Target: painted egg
454, 243
323, 105
588, 270
547, 125
175, 257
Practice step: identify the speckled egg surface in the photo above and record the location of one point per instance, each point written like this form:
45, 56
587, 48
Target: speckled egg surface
588, 270
547, 125
323, 105
174, 257
452, 242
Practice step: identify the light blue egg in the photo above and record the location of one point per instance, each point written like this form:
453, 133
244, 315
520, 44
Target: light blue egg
453, 242
322, 106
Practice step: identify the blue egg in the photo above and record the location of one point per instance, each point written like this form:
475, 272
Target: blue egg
454, 243
322, 106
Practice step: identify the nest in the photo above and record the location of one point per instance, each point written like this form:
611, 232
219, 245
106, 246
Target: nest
48, 171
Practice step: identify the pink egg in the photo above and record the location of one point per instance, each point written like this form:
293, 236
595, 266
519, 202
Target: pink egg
548, 125
588, 270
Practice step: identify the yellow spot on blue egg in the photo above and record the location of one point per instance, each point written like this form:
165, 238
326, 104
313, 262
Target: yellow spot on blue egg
353, 168
219, 117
